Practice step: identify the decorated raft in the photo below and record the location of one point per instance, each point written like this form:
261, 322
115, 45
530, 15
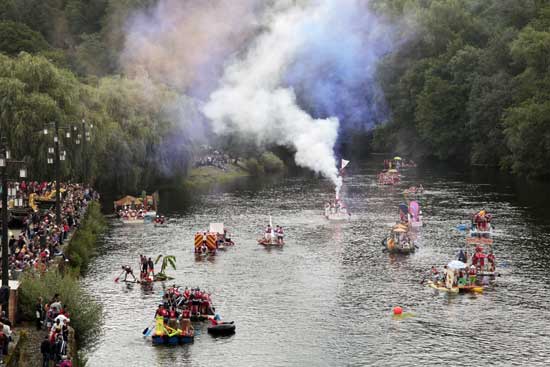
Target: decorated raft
271, 236
216, 238
181, 332
389, 177
399, 240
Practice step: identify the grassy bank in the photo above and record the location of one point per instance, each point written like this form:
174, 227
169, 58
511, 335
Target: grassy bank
83, 244
201, 178
204, 177
64, 279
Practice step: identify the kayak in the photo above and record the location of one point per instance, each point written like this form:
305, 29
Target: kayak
443, 289
226, 328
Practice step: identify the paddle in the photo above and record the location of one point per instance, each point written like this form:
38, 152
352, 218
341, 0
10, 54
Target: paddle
118, 278
148, 328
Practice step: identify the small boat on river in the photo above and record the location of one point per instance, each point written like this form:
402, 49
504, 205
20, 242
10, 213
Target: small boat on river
222, 329
414, 190
216, 238
160, 221
399, 240
272, 236
457, 277
137, 210
441, 287
414, 215
481, 225
389, 177
181, 332
336, 210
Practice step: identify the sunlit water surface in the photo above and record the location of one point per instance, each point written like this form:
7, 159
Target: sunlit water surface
325, 299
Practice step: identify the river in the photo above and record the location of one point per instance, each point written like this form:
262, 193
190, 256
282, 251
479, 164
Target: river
326, 298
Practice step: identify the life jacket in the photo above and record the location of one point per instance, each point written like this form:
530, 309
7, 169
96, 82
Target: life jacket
172, 314
186, 313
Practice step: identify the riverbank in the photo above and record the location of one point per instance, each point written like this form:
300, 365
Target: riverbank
204, 177
62, 278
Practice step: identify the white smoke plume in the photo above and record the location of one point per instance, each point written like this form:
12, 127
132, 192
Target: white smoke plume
252, 99
280, 71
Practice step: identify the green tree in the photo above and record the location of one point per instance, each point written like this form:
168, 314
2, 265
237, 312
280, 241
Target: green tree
528, 138
17, 37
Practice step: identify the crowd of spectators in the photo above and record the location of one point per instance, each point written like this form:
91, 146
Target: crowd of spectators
213, 158
5, 335
54, 317
41, 239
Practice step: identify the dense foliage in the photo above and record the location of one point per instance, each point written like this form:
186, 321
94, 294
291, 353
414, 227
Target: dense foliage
85, 312
83, 243
128, 125
471, 83
467, 83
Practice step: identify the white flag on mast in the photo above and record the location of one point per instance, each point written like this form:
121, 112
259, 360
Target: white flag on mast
344, 163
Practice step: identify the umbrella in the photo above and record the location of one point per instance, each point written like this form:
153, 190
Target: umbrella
455, 264
396, 158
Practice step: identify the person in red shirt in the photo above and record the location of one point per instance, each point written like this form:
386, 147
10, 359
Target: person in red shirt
491, 260
204, 303
160, 311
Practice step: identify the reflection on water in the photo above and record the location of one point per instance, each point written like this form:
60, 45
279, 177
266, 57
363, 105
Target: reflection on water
325, 299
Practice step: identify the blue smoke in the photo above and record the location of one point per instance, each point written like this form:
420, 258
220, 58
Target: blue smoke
334, 72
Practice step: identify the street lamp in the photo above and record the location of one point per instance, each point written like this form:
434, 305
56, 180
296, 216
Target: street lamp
5, 163
57, 159
59, 155
85, 137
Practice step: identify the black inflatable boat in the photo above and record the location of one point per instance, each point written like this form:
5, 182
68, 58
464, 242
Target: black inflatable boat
225, 328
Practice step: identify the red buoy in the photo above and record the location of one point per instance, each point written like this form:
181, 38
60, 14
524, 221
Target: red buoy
397, 310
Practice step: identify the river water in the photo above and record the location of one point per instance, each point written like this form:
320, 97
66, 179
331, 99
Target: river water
325, 299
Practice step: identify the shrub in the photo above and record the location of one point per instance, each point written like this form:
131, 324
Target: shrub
253, 167
83, 244
85, 313
271, 163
